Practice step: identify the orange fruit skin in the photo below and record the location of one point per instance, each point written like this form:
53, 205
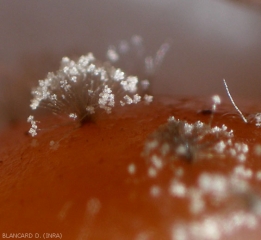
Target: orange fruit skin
82, 188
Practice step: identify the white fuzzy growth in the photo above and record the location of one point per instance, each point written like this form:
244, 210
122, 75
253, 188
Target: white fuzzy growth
30, 118
128, 99
73, 116
180, 139
124, 47
214, 184
81, 87
130, 84
216, 101
132, 168
181, 150
223, 130
241, 147
136, 98
171, 119
165, 149
258, 119
179, 233
197, 203
220, 147
179, 172
33, 129
106, 100
215, 227
90, 109
119, 75
131, 56
112, 55
242, 172
156, 162
155, 191
152, 145
145, 84
232, 152
33, 132
239, 151
257, 150
241, 157
152, 172
188, 128
258, 175
177, 189
148, 98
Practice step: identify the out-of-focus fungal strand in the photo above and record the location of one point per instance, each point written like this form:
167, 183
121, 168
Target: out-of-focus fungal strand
134, 59
81, 88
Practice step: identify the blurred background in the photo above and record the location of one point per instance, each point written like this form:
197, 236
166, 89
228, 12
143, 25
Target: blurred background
211, 40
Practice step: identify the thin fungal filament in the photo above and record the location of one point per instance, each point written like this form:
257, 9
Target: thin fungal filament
233, 103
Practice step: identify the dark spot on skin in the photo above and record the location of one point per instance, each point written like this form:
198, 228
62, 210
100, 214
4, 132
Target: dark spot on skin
205, 112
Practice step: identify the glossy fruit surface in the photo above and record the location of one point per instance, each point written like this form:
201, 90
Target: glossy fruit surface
94, 182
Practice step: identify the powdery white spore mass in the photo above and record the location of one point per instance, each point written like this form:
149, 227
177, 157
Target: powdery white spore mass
241, 205
81, 88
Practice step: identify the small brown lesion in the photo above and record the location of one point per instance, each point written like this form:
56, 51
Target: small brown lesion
205, 112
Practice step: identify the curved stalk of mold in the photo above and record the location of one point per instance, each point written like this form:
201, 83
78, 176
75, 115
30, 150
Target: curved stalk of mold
233, 103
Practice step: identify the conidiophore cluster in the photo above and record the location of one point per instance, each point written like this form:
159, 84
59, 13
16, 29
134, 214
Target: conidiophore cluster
132, 56
181, 139
80, 88
191, 142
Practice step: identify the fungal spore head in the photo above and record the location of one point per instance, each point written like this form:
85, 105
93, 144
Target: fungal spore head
82, 88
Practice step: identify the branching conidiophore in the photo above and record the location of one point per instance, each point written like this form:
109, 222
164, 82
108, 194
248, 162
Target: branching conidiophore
80, 88
179, 139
